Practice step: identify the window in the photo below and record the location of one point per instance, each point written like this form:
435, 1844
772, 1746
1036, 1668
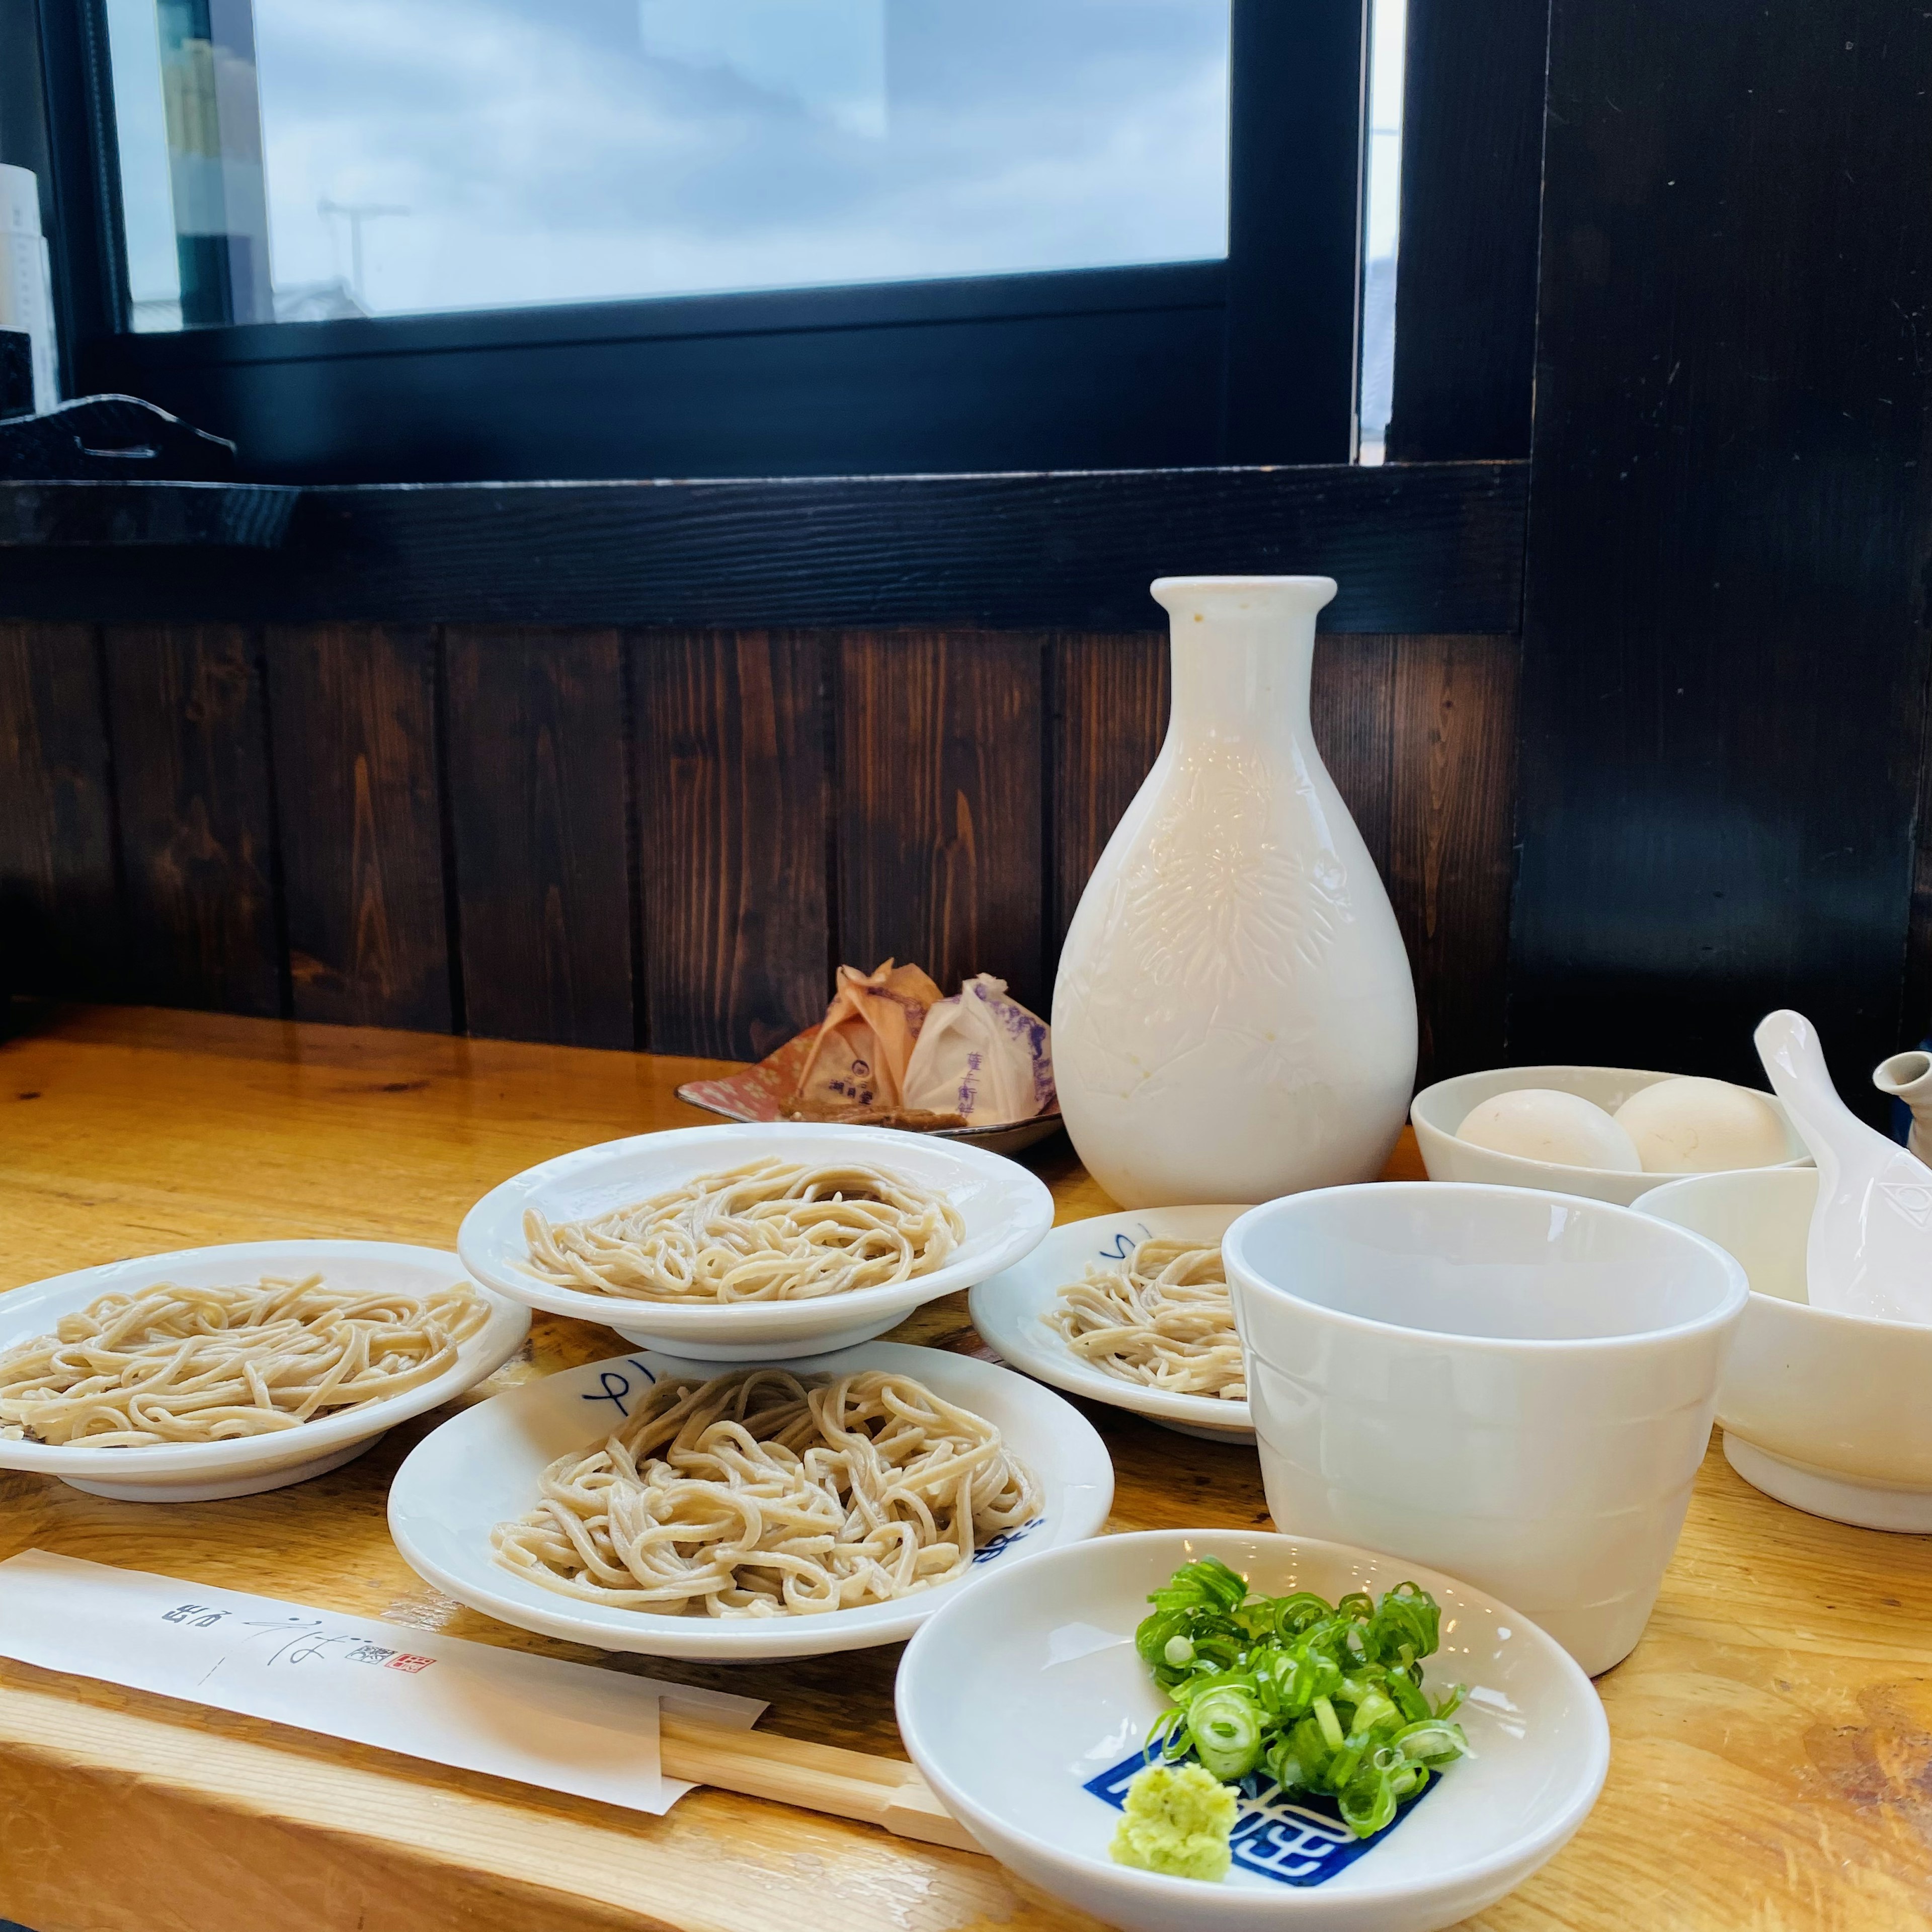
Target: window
426, 239
410, 157
1382, 217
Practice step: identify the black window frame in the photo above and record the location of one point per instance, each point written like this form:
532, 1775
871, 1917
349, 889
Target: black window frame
1250, 359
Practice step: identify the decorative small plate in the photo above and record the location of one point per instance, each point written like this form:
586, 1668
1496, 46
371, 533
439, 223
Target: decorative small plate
1027, 1708
1006, 1209
482, 1468
759, 1093
185, 1472
1010, 1309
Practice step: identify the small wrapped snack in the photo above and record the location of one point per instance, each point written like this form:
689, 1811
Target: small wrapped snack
865, 1043
982, 1056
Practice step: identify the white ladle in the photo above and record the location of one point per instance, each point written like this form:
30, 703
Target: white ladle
1870, 1251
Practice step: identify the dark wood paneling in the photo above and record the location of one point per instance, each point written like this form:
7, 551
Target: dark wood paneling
60, 928
1427, 547
731, 792
939, 825
1351, 702
1110, 703
538, 838
1915, 1018
1451, 824
190, 739
1472, 182
126, 516
1725, 655
353, 714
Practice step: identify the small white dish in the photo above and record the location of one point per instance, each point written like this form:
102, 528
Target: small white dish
1437, 1112
1017, 1704
1824, 1412
1010, 1311
1006, 1210
193, 1472
483, 1467
1515, 1387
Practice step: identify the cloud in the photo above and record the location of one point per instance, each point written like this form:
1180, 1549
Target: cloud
545, 156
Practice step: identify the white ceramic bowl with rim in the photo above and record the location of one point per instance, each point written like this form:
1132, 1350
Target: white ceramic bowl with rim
1826, 1412
1515, 1387
1016, 1703
1010, 1311
1437, 1112
202, 1471
1006, 1210
484, 1467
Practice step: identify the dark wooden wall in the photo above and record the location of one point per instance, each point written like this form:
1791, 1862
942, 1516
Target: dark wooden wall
1725, 642
662, 838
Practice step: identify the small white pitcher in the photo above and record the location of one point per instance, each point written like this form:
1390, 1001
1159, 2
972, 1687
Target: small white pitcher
1908, 1077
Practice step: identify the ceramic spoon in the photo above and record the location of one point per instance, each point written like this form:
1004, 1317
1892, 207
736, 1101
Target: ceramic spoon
1869, 1252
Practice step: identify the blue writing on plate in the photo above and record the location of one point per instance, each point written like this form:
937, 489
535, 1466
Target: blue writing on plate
617, 1385
998, 1544
1123, 1244
1301, 1841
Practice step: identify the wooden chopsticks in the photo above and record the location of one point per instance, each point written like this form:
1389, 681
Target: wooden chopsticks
817, 1778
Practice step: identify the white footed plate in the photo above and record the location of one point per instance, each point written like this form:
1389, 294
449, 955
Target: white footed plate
483, 1467
1010, 1312
1006, 1210
1027, 1708
185, 1472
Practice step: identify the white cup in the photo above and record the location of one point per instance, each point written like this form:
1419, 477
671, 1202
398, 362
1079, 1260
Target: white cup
1512, 1386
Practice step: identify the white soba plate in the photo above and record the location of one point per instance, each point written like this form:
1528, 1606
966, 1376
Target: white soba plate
1018, 1705
483, 1467
182, 1472
1006, 1210
1010, 1312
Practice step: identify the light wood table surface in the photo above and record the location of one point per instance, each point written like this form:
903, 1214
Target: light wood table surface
1772, 1764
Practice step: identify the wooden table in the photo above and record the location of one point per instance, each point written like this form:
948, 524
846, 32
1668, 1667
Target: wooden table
1773, 1732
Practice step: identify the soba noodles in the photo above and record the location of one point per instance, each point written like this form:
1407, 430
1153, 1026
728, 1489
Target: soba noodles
1162, 1317
772, 1230
176, 1364
758, 1494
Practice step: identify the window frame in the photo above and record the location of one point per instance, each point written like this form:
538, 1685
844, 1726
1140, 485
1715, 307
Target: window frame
1250, 359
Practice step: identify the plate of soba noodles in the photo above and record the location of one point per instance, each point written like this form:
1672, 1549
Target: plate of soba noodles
734, 1510
1131, 1310
757, 1241
223, 1371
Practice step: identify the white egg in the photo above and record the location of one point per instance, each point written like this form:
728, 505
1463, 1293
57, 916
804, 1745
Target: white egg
1540, 1123
1693, 1125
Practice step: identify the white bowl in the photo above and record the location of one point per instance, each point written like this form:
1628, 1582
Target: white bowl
1015, 1703
1437, 1112
1010, 1309
1006, 1210
1515, 1387
193, 1472
482, 1468
1826, 1412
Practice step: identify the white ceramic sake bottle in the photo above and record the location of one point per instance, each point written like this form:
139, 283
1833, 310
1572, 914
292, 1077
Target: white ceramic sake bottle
1234, 1018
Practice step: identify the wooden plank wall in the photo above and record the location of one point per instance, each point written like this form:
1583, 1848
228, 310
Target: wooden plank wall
664, 839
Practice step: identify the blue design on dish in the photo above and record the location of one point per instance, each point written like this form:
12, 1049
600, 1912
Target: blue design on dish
998, 1544
1298, 1841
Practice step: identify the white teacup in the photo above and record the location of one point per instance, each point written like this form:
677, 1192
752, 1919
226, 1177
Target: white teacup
1513, 1386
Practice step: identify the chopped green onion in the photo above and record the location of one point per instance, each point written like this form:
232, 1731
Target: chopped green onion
1327, 1700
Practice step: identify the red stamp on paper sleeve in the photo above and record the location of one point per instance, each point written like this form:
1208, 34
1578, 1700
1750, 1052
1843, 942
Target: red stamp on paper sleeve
406, 1662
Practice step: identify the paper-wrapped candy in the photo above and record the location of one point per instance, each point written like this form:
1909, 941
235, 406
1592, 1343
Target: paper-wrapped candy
890, 1051
982, 1056
866, 1041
